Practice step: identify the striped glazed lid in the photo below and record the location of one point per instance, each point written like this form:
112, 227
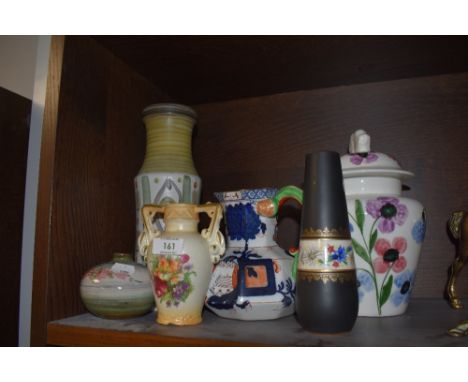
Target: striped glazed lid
169, 108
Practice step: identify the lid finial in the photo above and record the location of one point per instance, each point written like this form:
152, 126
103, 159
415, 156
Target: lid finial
359, 142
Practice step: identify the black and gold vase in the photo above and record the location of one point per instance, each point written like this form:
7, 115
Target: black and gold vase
326, 289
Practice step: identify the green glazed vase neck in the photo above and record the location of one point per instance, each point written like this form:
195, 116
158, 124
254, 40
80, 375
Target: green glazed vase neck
122, 258
168, 144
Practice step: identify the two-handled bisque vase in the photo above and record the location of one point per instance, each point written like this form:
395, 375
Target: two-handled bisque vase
180, 259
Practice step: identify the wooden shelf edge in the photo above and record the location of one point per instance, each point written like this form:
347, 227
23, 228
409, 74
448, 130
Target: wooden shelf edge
65, 335
424, 324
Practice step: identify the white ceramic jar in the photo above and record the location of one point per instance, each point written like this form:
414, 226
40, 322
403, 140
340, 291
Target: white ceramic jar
387, 229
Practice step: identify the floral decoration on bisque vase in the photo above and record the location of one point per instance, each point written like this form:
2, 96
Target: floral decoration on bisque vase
172, 278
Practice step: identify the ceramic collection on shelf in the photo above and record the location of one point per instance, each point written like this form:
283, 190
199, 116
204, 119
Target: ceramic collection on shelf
358, 252
168, 174
387, 229
118, 289
180, 259
253, 280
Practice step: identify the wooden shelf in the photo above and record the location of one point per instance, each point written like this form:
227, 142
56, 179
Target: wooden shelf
424, 324
263, 103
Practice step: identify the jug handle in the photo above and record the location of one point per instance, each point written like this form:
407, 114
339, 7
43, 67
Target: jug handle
212, 234
270, 208
149, 233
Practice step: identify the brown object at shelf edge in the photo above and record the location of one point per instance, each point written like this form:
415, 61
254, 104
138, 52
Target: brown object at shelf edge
62, 335
39, 315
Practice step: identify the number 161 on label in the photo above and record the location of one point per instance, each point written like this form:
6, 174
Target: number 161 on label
168, 246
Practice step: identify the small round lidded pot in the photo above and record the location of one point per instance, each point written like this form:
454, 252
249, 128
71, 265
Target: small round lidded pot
387, 229
118, 289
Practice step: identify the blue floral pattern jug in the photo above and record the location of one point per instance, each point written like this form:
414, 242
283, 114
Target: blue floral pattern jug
253, 281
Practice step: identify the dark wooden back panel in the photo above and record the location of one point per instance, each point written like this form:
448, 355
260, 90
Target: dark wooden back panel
98, 149
201, 69
15, 112
423, 122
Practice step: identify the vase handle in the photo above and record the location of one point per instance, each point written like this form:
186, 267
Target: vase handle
271, 207
149, 233
212, 234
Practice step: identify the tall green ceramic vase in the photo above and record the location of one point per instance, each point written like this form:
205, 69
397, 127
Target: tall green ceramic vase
168, 174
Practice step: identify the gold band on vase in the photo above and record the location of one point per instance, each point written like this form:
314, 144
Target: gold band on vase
326, 276
326, 233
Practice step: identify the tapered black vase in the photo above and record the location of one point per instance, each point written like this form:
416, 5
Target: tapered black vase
326, 289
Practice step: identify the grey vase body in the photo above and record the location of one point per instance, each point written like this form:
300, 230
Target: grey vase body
326, 289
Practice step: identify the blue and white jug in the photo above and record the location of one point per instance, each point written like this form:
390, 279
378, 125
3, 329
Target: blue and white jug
253, 280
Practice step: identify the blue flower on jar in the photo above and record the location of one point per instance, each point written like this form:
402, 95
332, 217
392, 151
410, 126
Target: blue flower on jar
338, 254
419, 231
404, 284
365, 283
243, 223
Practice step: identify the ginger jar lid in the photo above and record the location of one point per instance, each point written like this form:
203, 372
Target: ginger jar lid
362, 162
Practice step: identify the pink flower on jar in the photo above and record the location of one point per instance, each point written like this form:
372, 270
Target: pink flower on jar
104, 273
121, 275
184, 258
389, 210
389, 254
357, 159
380, 266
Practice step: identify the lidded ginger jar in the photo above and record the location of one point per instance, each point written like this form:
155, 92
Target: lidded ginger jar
387, 229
